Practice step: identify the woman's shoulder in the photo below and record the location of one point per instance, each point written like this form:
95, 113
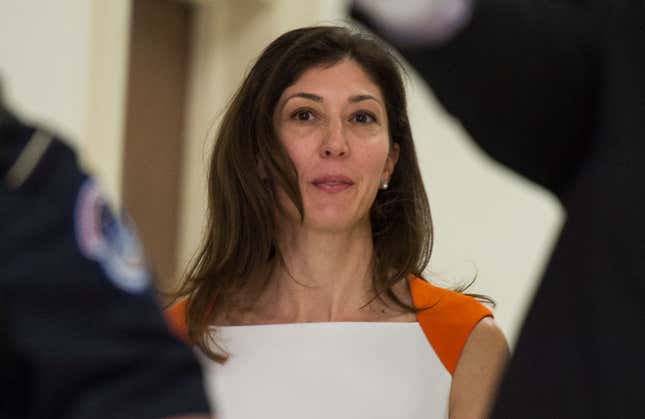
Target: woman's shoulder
176, 319
436, 301
447, 318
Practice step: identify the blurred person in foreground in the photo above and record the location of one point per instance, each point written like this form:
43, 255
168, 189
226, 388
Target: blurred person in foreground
307, 295
81, 335
556, 91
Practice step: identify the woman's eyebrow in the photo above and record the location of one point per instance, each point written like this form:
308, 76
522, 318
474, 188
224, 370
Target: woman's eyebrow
305, 95
319, 99
360, 98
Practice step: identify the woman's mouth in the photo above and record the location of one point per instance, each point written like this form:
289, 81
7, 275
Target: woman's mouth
335, 183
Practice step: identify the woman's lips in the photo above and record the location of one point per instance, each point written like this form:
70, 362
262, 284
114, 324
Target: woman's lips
333, 183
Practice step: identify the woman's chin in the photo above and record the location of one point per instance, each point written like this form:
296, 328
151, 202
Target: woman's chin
338, 223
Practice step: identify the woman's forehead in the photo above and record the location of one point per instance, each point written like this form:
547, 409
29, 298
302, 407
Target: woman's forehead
344, 77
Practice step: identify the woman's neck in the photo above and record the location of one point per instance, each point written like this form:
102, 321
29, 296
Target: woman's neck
325, 276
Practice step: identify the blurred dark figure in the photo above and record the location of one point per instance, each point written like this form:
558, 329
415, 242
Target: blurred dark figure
81, 335
556, 91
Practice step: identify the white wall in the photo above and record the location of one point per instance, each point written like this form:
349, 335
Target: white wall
64, 65
44, 61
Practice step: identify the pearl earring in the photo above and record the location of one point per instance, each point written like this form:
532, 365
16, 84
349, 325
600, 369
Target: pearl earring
384, 186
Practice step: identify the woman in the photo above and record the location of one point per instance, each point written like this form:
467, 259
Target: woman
307, 293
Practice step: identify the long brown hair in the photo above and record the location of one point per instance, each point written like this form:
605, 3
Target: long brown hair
239, 251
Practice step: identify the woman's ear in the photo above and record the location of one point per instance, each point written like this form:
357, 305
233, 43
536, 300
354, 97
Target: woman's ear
390, 163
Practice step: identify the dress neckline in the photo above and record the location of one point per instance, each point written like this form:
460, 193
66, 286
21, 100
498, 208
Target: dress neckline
313, 324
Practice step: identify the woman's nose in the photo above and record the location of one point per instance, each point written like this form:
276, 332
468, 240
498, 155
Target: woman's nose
335, 141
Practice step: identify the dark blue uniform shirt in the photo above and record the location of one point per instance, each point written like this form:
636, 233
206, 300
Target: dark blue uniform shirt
81, 335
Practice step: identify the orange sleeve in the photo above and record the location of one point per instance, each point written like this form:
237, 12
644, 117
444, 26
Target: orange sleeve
448, 319
176, 319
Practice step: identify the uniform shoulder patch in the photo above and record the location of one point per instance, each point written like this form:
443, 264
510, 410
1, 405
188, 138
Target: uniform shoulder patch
110, 241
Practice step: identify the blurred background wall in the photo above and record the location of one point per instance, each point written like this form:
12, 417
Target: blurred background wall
139, 86
63, 64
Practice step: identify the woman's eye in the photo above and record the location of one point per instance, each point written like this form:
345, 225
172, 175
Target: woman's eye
303, 115
363, 118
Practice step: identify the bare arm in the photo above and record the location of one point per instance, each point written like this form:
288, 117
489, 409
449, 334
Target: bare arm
478, 372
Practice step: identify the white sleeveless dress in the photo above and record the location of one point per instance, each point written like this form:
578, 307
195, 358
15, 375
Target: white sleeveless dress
342, 370
328, 370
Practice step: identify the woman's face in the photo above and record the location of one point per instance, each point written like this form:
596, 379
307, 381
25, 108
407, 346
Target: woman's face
333, 123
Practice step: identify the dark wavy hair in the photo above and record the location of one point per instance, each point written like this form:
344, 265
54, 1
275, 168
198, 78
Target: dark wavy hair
239, 251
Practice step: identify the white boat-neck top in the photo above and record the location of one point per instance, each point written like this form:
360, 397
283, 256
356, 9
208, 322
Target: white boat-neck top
342, 370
